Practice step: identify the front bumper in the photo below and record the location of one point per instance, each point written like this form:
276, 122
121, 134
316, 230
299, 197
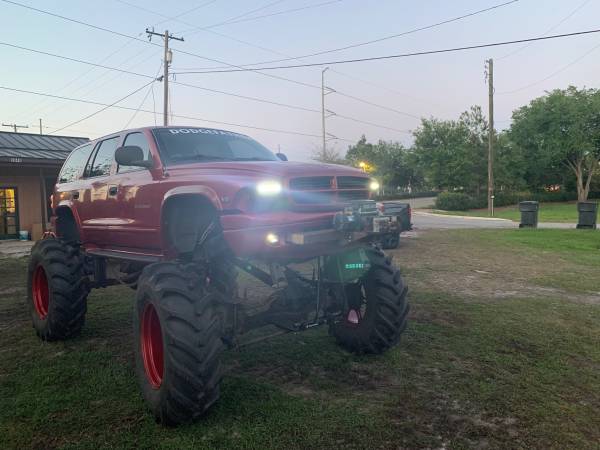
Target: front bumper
294, 236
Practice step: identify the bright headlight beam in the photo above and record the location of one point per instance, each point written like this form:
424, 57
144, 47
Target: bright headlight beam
374, 186
268, 187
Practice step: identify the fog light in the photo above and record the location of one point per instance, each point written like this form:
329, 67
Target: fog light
272, 239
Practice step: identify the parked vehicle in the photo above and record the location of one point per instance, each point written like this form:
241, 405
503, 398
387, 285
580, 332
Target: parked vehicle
398, 211
174, 213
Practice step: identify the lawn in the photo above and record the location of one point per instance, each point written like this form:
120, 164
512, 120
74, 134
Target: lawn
500, 352
549, 212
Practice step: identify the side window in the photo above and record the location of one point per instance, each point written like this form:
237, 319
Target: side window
74, 164
103, 158
139, 140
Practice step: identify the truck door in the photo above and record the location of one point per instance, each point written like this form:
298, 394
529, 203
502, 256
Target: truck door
139, 208
98, 210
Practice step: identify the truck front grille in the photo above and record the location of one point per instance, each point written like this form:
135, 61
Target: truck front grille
352, 183
310, 183
328, 190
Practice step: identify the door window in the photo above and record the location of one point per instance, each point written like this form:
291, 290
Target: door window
73, 166
104, 158
139, 140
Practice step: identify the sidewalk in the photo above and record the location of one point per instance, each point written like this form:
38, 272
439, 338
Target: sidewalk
15, 248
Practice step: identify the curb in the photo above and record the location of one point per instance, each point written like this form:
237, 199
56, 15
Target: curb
460, 217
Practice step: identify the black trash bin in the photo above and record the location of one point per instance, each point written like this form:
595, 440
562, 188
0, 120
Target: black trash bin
588, 213
529, 214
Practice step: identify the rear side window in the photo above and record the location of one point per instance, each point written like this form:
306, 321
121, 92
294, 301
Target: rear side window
74, 164
103, 158
139, 140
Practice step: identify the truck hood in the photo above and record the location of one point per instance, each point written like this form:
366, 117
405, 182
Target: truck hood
267, 169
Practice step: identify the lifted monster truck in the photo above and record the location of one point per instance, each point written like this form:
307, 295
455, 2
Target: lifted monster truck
175, 213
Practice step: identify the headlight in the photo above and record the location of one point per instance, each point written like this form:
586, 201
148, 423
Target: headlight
374, 186
268, 187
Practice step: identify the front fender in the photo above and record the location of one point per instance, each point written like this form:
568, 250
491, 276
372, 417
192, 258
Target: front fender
203, 191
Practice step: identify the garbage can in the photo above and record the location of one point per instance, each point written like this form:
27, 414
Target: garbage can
588, 213
529, 214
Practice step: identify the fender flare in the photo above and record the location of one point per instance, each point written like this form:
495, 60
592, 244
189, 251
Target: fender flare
193, 192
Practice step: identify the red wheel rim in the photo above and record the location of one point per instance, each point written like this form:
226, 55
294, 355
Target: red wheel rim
152, 346
40, 292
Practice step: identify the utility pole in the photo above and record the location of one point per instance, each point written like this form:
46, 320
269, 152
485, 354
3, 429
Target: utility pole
325, 113
323, 109
41, 132
490, 77
14, 126
168, 58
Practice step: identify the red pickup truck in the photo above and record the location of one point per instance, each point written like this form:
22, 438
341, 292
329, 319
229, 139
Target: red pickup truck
175, 213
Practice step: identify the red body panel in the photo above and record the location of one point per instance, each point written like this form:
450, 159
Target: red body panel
123, 212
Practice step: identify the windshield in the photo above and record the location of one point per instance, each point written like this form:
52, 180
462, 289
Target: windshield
184, 145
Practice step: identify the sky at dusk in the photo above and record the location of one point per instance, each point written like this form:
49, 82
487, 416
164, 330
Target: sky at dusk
228, 31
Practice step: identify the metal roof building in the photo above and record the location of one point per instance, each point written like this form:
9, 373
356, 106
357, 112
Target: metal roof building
29, 166
39, 148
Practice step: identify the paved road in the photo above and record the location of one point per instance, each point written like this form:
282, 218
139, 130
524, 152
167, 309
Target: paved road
424, 220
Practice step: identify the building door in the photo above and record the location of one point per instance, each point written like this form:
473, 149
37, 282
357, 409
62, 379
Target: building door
9, 213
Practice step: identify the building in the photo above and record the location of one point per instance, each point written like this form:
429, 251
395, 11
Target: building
29, 166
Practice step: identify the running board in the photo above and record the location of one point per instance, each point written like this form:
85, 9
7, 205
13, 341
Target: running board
113, 254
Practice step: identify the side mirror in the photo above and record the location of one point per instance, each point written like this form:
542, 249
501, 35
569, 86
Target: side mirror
132, 155
281, 156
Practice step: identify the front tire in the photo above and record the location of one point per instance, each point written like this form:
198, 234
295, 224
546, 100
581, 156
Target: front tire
56, 290
178, 329
376, 308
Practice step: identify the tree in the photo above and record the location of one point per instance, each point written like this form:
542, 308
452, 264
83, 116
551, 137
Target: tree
328, 155
391, 162
453, 153
558, 130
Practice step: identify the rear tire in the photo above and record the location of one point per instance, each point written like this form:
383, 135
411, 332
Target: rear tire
377, 308
56, 290
390, 241
178, 329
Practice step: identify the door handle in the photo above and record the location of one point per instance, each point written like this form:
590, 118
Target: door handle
112, 190
75, 195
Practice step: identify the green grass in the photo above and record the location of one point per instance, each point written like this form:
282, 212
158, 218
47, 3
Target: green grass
515, 372
549, 212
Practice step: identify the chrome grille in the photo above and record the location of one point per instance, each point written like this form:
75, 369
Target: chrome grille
310, 183
327, 191
352, 183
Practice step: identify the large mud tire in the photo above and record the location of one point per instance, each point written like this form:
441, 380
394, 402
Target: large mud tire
56, 290
377, 311
178, 331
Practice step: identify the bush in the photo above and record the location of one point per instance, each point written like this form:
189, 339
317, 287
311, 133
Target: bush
404, 195
458, 201
454, 201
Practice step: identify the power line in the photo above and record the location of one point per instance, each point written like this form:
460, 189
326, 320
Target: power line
67, 58
179, 116
216, 91
548, 31
387, 108
80, 22
241, 19
143, 100
269, 50
401, 55
104, 108
128, 72
300, 83
553, 74
393, 36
